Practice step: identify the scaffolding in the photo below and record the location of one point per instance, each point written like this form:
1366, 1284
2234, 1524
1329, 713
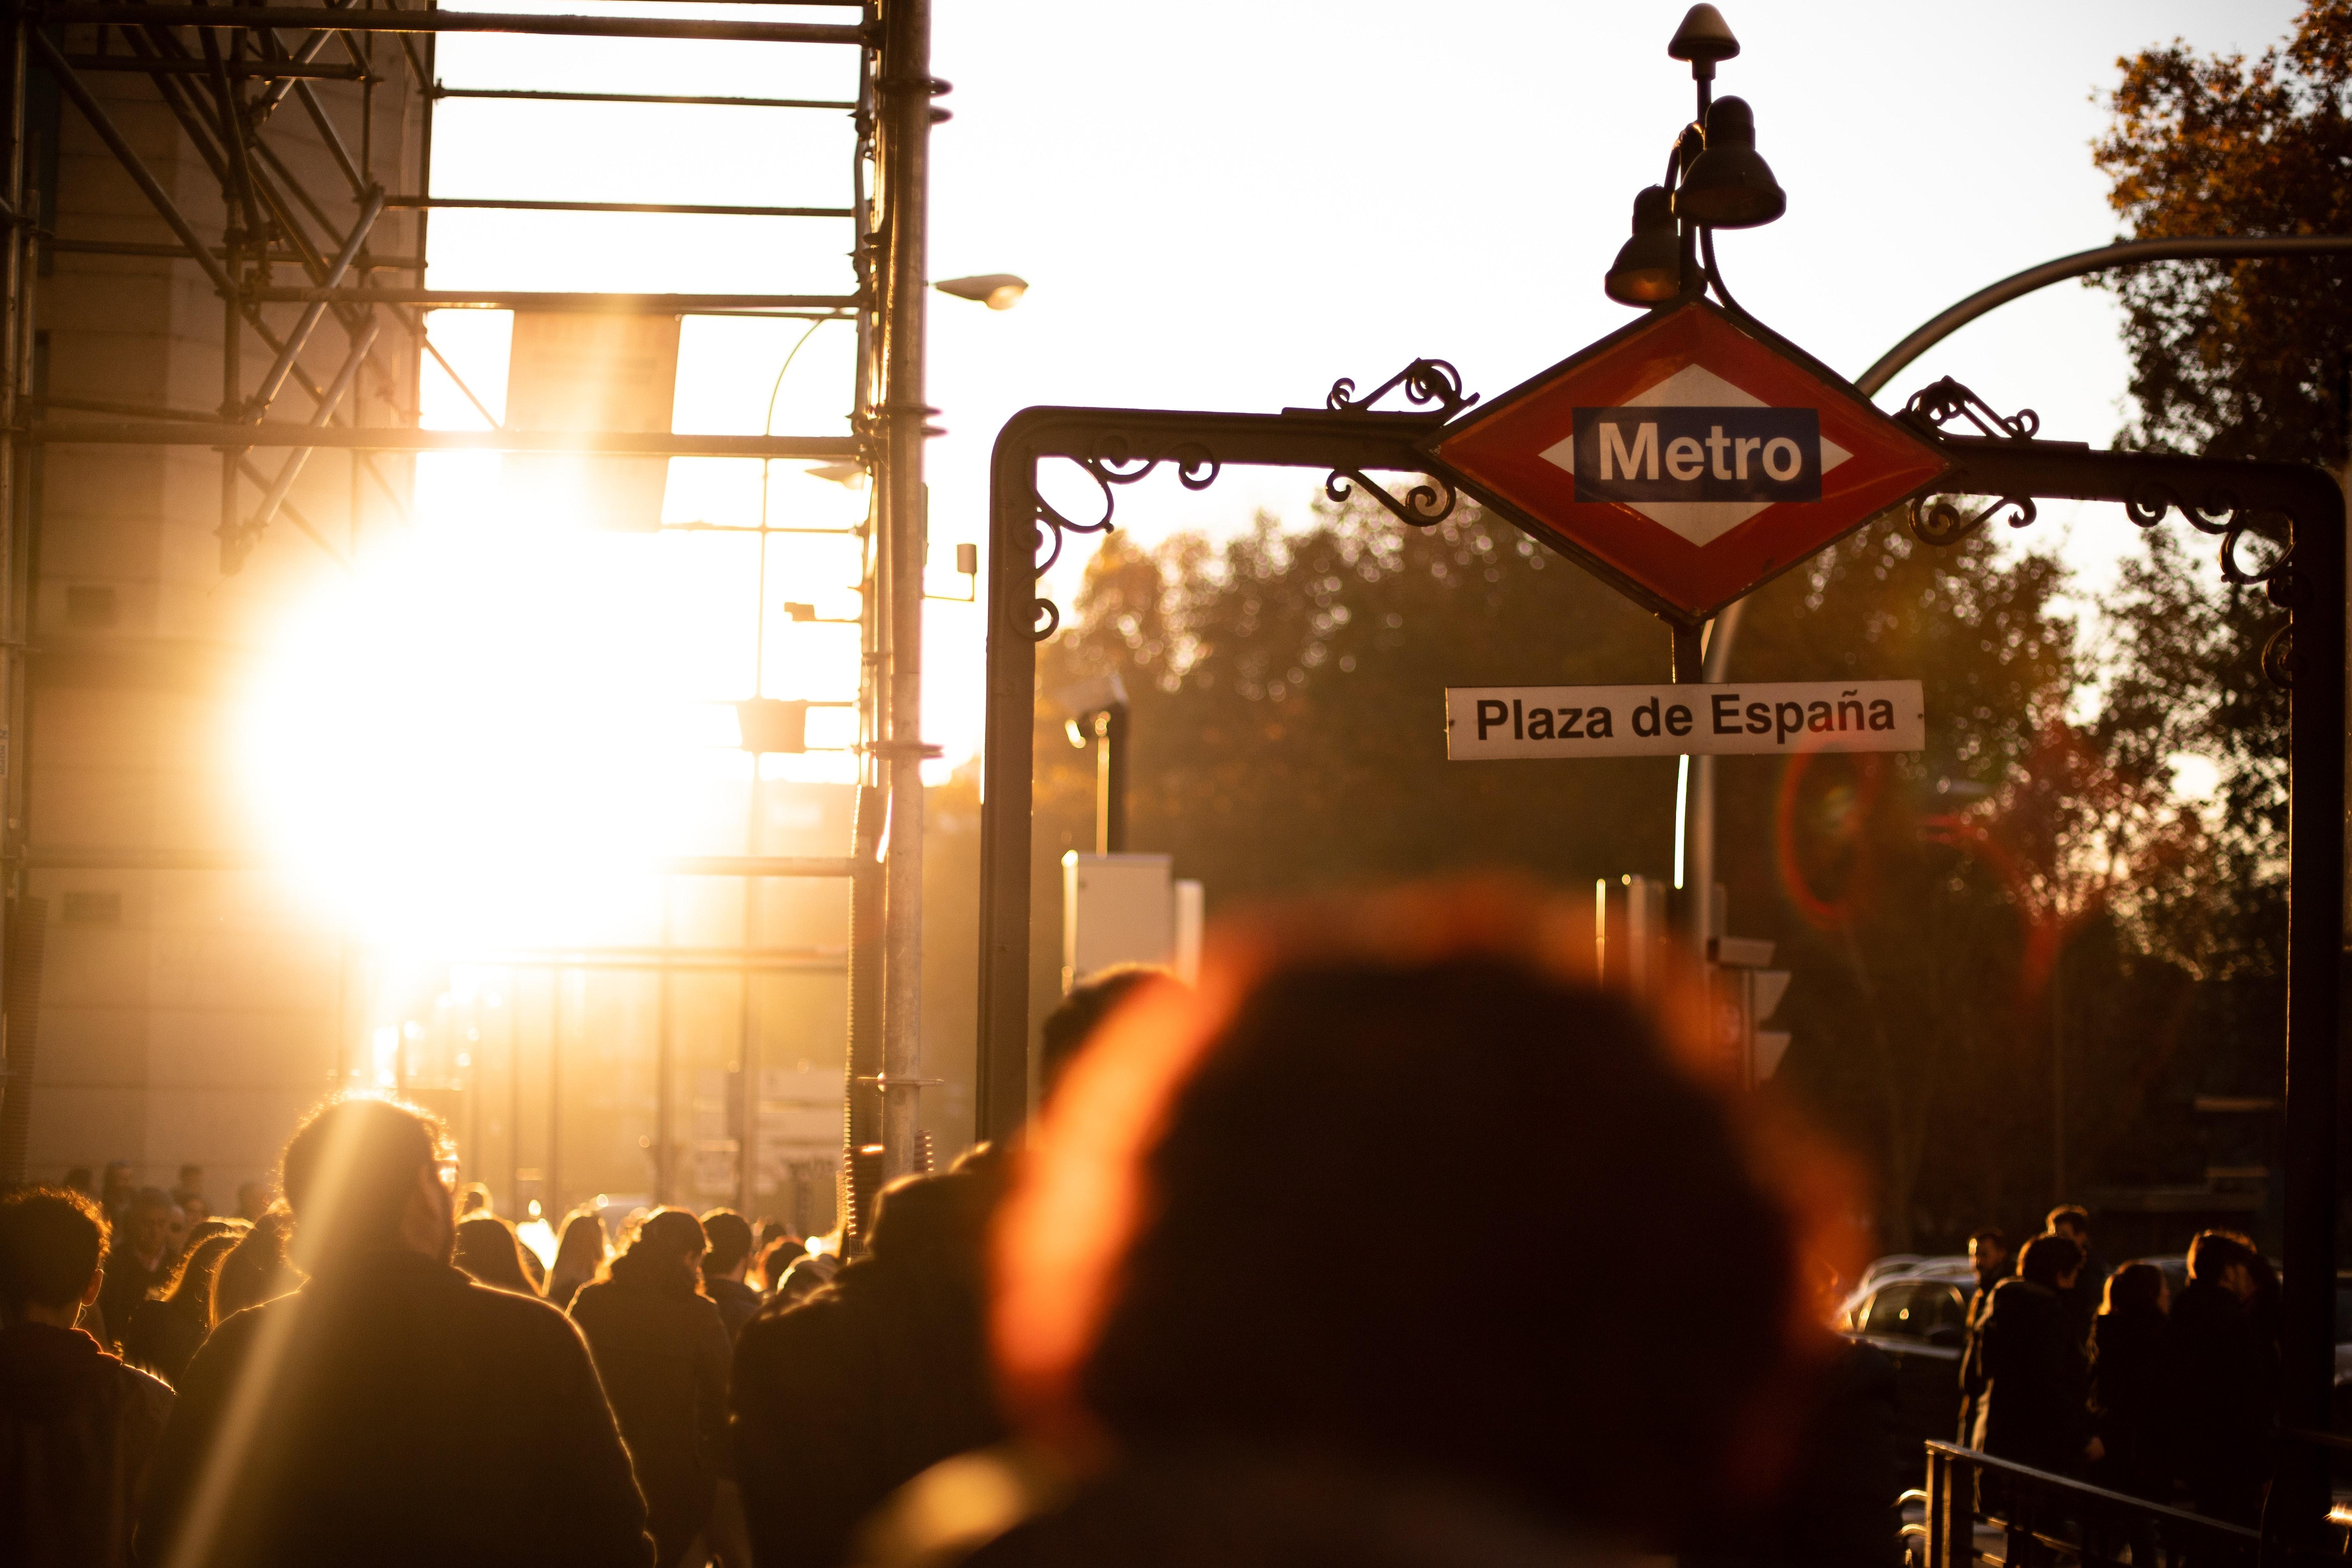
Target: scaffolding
314, 125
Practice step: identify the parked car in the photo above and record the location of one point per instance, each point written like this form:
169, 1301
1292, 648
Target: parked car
1917, 1314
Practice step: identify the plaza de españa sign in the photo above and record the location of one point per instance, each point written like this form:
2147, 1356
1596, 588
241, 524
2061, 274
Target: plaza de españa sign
1687, 459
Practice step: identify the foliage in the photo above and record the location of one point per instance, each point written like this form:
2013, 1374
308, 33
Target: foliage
2246, 358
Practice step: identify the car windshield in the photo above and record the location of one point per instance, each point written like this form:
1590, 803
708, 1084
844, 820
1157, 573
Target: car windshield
1914, 1309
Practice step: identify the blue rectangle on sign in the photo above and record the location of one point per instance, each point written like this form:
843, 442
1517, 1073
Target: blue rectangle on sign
1698, 454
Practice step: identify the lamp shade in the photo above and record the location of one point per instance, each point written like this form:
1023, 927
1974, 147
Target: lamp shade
1649, 268
1731, 186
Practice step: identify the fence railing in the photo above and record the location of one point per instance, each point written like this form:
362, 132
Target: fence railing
2045, 1519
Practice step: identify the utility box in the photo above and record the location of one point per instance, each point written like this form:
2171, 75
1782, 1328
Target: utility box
1127, 908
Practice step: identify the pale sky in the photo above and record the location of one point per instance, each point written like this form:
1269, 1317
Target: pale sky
1227, 204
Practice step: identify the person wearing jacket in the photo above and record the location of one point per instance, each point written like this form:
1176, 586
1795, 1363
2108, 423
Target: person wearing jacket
723, 1269
2224, 1406
2036, 1409
77, 1426
663, 1354
165, 1334
390, 1411
2132, 1378
1988, 1257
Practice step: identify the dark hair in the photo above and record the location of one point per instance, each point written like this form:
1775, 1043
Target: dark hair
489, 1249
191, 1289
1195, 1251
2048, 1259
149, 1198
729, 1234
2135, 1287
50, 1241
777, 1256
668, 1232
349, 1171
1074, 1018
2214, 1252
2073, 1216
184, 1170
1991, 1235
255, 1269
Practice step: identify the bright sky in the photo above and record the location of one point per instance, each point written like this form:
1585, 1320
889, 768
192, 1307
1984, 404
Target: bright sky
1229, 203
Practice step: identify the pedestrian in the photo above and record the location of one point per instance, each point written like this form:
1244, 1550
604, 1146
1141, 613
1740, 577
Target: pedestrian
253, 1200
489, 1249
77, 1426
2073, 1222
328, 1426
842, 1396
1079, 1015
1196, 1308
663, 1354
140, 1260
2224, 1404
165, 1331
2035, 1408
580, 1256
116, 1190
723, 1267
255, 1269
1989, 1258
2132, 1378
191, 1191
776, 1259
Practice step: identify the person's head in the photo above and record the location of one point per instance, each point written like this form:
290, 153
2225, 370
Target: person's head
2071, 1222
211, 1227
1201, 1242
474, 1197
252, 1200
2136, 1287
192, 1178
255, 1270
1077, 1017
363, 1174
51, 1240
583, 1248
195, 1210
175, 1228
1988, 1252
2051, 1261
191, 1289
2226, 1258
147, 1224
775, 1259
119, 1186
489, 1249
668, 1248
79, 1180
729, 1234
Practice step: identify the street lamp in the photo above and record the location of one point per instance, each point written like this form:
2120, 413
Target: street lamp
997, 290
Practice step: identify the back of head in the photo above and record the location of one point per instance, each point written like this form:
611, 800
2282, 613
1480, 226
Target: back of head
667, 1251
191, 1289
730, 1236
581, 1249
51, 1239
2133, 1287
1074, 1018
350, 1170
937, 1223
1991, 1237
1201, 1245
2069, 1218
255, 1269
2048, 1259
489, 1249
2216, 1252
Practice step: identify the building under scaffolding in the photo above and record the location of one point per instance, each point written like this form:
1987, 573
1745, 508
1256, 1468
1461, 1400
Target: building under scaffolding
217, 351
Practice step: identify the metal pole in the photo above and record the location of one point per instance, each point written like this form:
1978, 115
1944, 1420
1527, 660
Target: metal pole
16, 272
747, 1024
907, 87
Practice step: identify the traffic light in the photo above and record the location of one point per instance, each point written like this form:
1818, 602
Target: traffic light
1747, 993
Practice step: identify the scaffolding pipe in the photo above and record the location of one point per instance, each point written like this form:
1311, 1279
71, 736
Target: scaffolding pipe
552, 299
386, 439
667, 209
272, 382
907, 87
245, 18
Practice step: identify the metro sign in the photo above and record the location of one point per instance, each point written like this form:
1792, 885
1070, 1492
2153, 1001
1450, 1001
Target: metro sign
1687, 459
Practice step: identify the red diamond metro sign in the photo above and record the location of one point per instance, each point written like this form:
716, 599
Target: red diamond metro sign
1687, 459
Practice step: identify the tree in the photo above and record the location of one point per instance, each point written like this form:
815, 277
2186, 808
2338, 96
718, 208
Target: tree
2244, 359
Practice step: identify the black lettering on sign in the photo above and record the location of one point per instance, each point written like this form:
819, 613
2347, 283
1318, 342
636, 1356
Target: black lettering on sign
1645, 717
1817, 716
1845, 703
1759, 718
1698, 454
1490, 713
1882, 714
1597, 724
1678, 719
1791, 717
1569, 718
1726, 715
1518, 724
1539, 724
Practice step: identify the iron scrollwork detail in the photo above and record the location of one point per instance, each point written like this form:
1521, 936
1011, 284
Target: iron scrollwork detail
1426, 505
1940, 519
2219, 514
1113, 460
1424, 381
1939, 402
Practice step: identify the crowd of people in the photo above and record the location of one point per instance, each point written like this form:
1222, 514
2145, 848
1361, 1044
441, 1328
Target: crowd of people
1196, 1315
2112, 1378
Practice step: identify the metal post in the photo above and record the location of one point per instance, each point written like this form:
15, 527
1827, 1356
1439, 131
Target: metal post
1110, 780
747, 1048
15, 325
907, 87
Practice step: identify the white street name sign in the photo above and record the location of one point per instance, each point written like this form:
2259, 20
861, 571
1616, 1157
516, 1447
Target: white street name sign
1490, 723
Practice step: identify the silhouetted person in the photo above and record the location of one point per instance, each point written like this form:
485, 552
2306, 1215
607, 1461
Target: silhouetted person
2132, 1378
255, 1269
252, 1201
663, 1354
581, 1254
140, 1260
2224, 1409
2073, 1222
76, 1426
2035, 1408
1988, 1257
843, 1396
1197, 1303
390, 1411
115, 1191
488, 1250
165, 1331
1080, 1014
723, 1267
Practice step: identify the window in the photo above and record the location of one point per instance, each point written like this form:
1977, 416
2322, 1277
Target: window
1915, 1310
